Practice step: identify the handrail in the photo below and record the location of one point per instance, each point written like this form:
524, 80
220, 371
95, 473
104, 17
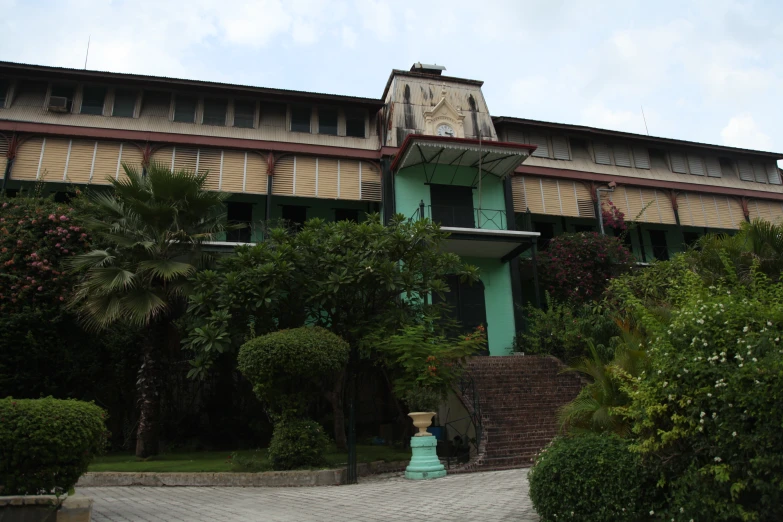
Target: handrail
466, 387
458, 216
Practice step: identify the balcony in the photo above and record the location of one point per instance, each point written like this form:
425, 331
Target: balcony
462, 217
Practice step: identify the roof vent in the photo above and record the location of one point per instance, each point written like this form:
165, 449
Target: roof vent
427, 68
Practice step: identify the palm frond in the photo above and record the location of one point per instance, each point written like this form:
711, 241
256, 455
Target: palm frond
167, 269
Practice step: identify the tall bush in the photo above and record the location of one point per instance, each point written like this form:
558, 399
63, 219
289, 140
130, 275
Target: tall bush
297, 443
46, 444
579, 266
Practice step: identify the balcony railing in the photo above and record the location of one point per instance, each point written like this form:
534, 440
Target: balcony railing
462, 217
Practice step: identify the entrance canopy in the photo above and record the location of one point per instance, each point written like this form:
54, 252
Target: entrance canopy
494, 244
496, 158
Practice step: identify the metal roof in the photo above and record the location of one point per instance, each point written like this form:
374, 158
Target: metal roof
84, 73
628, 135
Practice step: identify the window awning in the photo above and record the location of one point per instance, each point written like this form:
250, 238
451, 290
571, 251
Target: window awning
494, 157
487, 243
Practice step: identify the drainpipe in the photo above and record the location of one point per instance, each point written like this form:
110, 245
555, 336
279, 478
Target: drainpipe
270, 171
598, 199
7, 172
421, 210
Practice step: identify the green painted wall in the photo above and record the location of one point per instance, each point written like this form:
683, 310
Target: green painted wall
499, 303
410, 190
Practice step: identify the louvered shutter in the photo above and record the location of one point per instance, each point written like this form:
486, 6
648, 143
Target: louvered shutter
107, 160
745, 170
602, 156
255, 174
683, 204
552, 203
696, 165
651, 213
53, 161
185, 158
678, 163
304, 180
776, 211
757, 210
618, 198
209, 162
534, 195
543, 147
28, 158
568, 198
371, 182
132, 157
622, 157
283, 181
773, 174
3, 149
163, 157
759, 172
584, 201
560, 148
327, 178
349, 180
711, 210
515, 136
80, 161
665, 208
713, 166
518, 193
641, 158
234, 170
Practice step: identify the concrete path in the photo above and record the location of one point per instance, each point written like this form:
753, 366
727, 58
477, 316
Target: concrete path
489, 497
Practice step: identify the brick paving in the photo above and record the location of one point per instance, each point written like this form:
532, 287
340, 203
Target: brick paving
489, 497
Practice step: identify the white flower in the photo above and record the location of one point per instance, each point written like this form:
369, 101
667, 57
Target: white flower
701, 421
714, 415
745, 329
734, 434
682, 510
665, 384
740, 365
769, 323
702, 415
709, 395
755, 360
705, 344
652, 512
717, 459
701, 429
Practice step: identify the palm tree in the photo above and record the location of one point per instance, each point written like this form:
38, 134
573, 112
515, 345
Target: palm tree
154, 225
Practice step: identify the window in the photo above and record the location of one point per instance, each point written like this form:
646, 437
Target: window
560, 148
92, 100
658, 159
296, 215
185, 109
696, 165
327, 121
547, 231
690, 238
773, 174
658, 242
274, 115
452, 205
346, 214
678, 163
63, 91
543, 147
354, 123
464, 303
641, 158
602, 155
124, 103
4, 84
244, 114
156, 104
300, 119
214, 112
622, 156
30, 93
584, 228
713, 166
579, 148
727, 167
239, 213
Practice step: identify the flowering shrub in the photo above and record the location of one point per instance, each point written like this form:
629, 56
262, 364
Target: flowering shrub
708, 413
613, 217
35, 235
579, 266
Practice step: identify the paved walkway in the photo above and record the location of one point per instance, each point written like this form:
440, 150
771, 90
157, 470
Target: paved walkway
489, 497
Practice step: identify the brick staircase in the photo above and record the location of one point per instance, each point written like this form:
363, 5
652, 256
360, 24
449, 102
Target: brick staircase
519, 396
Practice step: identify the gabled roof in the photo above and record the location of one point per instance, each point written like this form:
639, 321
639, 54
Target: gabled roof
499, 120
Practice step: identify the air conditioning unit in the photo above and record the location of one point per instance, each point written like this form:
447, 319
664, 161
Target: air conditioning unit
58, 104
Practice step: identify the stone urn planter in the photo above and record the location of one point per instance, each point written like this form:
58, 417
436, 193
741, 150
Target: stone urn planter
424, 463
422, 420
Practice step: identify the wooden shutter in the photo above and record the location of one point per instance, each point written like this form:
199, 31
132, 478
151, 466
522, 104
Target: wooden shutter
568, 197
773, 173
584, 200
28, 158
602, 156
3, 148
622, 158
775, 211
711, 211
678, 163
759, 172
327, 178
283, 180
756, 210
652, 212
641, 158
543, 147
745, 170
736, 214
371, 182
633, 196
107, 159
53, 160
724, 212
349, 180
518, 193
232, 177
665, 208
696, 165
552, 203
304, 176
560, 148
185, 158
80, 161
163, 157
713, 166
515, 136
132, 157
209, 162
255, 174
534, 195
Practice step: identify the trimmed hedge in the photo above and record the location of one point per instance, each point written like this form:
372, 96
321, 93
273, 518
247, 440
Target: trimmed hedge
591, 478
297, 444
46, 444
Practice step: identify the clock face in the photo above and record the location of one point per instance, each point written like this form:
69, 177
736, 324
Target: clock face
446, 130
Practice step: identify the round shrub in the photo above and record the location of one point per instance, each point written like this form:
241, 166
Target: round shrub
297, 443
46, 444
289, 368
589, 477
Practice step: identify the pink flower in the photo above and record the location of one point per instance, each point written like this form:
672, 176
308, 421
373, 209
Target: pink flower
57, 245
40, 288
52, 217
19, 242
62, 298
65, 250
63, 218
5, 205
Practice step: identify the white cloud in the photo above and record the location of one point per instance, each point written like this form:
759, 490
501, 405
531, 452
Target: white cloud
253, 24
349, 37
377, 18
742, 131
598, 115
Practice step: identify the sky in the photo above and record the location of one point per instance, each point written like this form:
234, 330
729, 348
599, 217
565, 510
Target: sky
707, 71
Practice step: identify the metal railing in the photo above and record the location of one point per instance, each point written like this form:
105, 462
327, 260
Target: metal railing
468, 446
462, 217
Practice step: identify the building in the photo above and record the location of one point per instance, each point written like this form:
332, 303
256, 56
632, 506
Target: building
428, 147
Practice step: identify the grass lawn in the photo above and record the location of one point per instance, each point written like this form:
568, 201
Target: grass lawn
213, 461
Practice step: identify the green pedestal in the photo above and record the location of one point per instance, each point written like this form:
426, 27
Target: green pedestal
424, 461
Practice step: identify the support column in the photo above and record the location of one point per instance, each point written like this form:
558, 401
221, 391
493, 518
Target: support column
513, 265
